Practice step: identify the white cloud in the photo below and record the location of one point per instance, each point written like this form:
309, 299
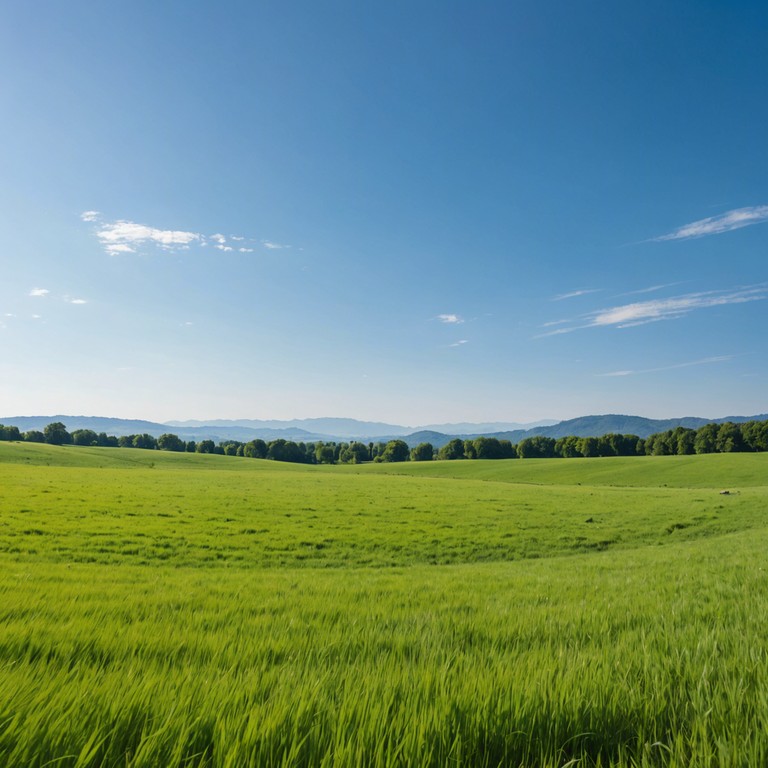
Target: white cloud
574, 294
705, 361
40, 292
652, 289
715, 225
459, 343
77, 301
273, 246
450, 319
655, 310
125, 236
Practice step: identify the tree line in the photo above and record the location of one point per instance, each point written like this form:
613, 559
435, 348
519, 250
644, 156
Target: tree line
727, 437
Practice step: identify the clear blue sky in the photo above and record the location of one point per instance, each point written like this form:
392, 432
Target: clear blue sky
405, 211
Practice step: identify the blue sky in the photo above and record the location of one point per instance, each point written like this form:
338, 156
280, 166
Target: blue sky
414, 212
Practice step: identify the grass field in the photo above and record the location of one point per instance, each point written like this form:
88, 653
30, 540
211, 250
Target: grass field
159, 609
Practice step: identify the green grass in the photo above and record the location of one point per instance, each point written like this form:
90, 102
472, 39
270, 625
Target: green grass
171, 610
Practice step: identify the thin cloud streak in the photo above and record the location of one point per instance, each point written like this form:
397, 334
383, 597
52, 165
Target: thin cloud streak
715, 225
704, 361
651, 289
450, 319
655, 310
39, 292
574, 294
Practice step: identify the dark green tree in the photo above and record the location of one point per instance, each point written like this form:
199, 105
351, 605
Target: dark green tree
537, 447
423, 452
396, 450
145, 441
9, 433
256, 449
567, 447
452, 450
706, 438
729, 438
588, 447
85, 437
170, 442
56, 434
34, 436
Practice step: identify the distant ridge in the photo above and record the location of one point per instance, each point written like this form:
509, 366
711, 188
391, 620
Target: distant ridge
343, 430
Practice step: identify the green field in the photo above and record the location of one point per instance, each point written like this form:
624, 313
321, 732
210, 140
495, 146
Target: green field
163, 609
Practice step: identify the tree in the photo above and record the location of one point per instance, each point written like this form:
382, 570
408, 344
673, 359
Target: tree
587, 446
537, 447
469, 449
706, 436
488, 448
56, 434
359, 451
324, 453
170, 442
256, 449
34, 436
729, 439
206, 446
755, 434
285, 450
9, 433
684, 440
85, 437
423, 452
144, 441
567, 447
452, 450
396, 450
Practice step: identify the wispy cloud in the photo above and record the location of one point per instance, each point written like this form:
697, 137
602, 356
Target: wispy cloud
123, 236
704, 361
450, 319
715, 225
39, 292
655, 310
574, 294
75, 301
272, 246
651, 289
459, 343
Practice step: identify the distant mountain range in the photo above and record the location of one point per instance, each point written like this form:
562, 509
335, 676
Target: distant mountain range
337, 430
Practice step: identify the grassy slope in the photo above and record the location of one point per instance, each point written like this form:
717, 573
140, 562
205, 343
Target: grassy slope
148, 507
713, 471
649, 653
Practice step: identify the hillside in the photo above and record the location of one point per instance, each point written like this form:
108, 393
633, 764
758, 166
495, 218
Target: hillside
342, 430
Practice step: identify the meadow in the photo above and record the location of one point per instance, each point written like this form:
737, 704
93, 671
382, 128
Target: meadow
162, 609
